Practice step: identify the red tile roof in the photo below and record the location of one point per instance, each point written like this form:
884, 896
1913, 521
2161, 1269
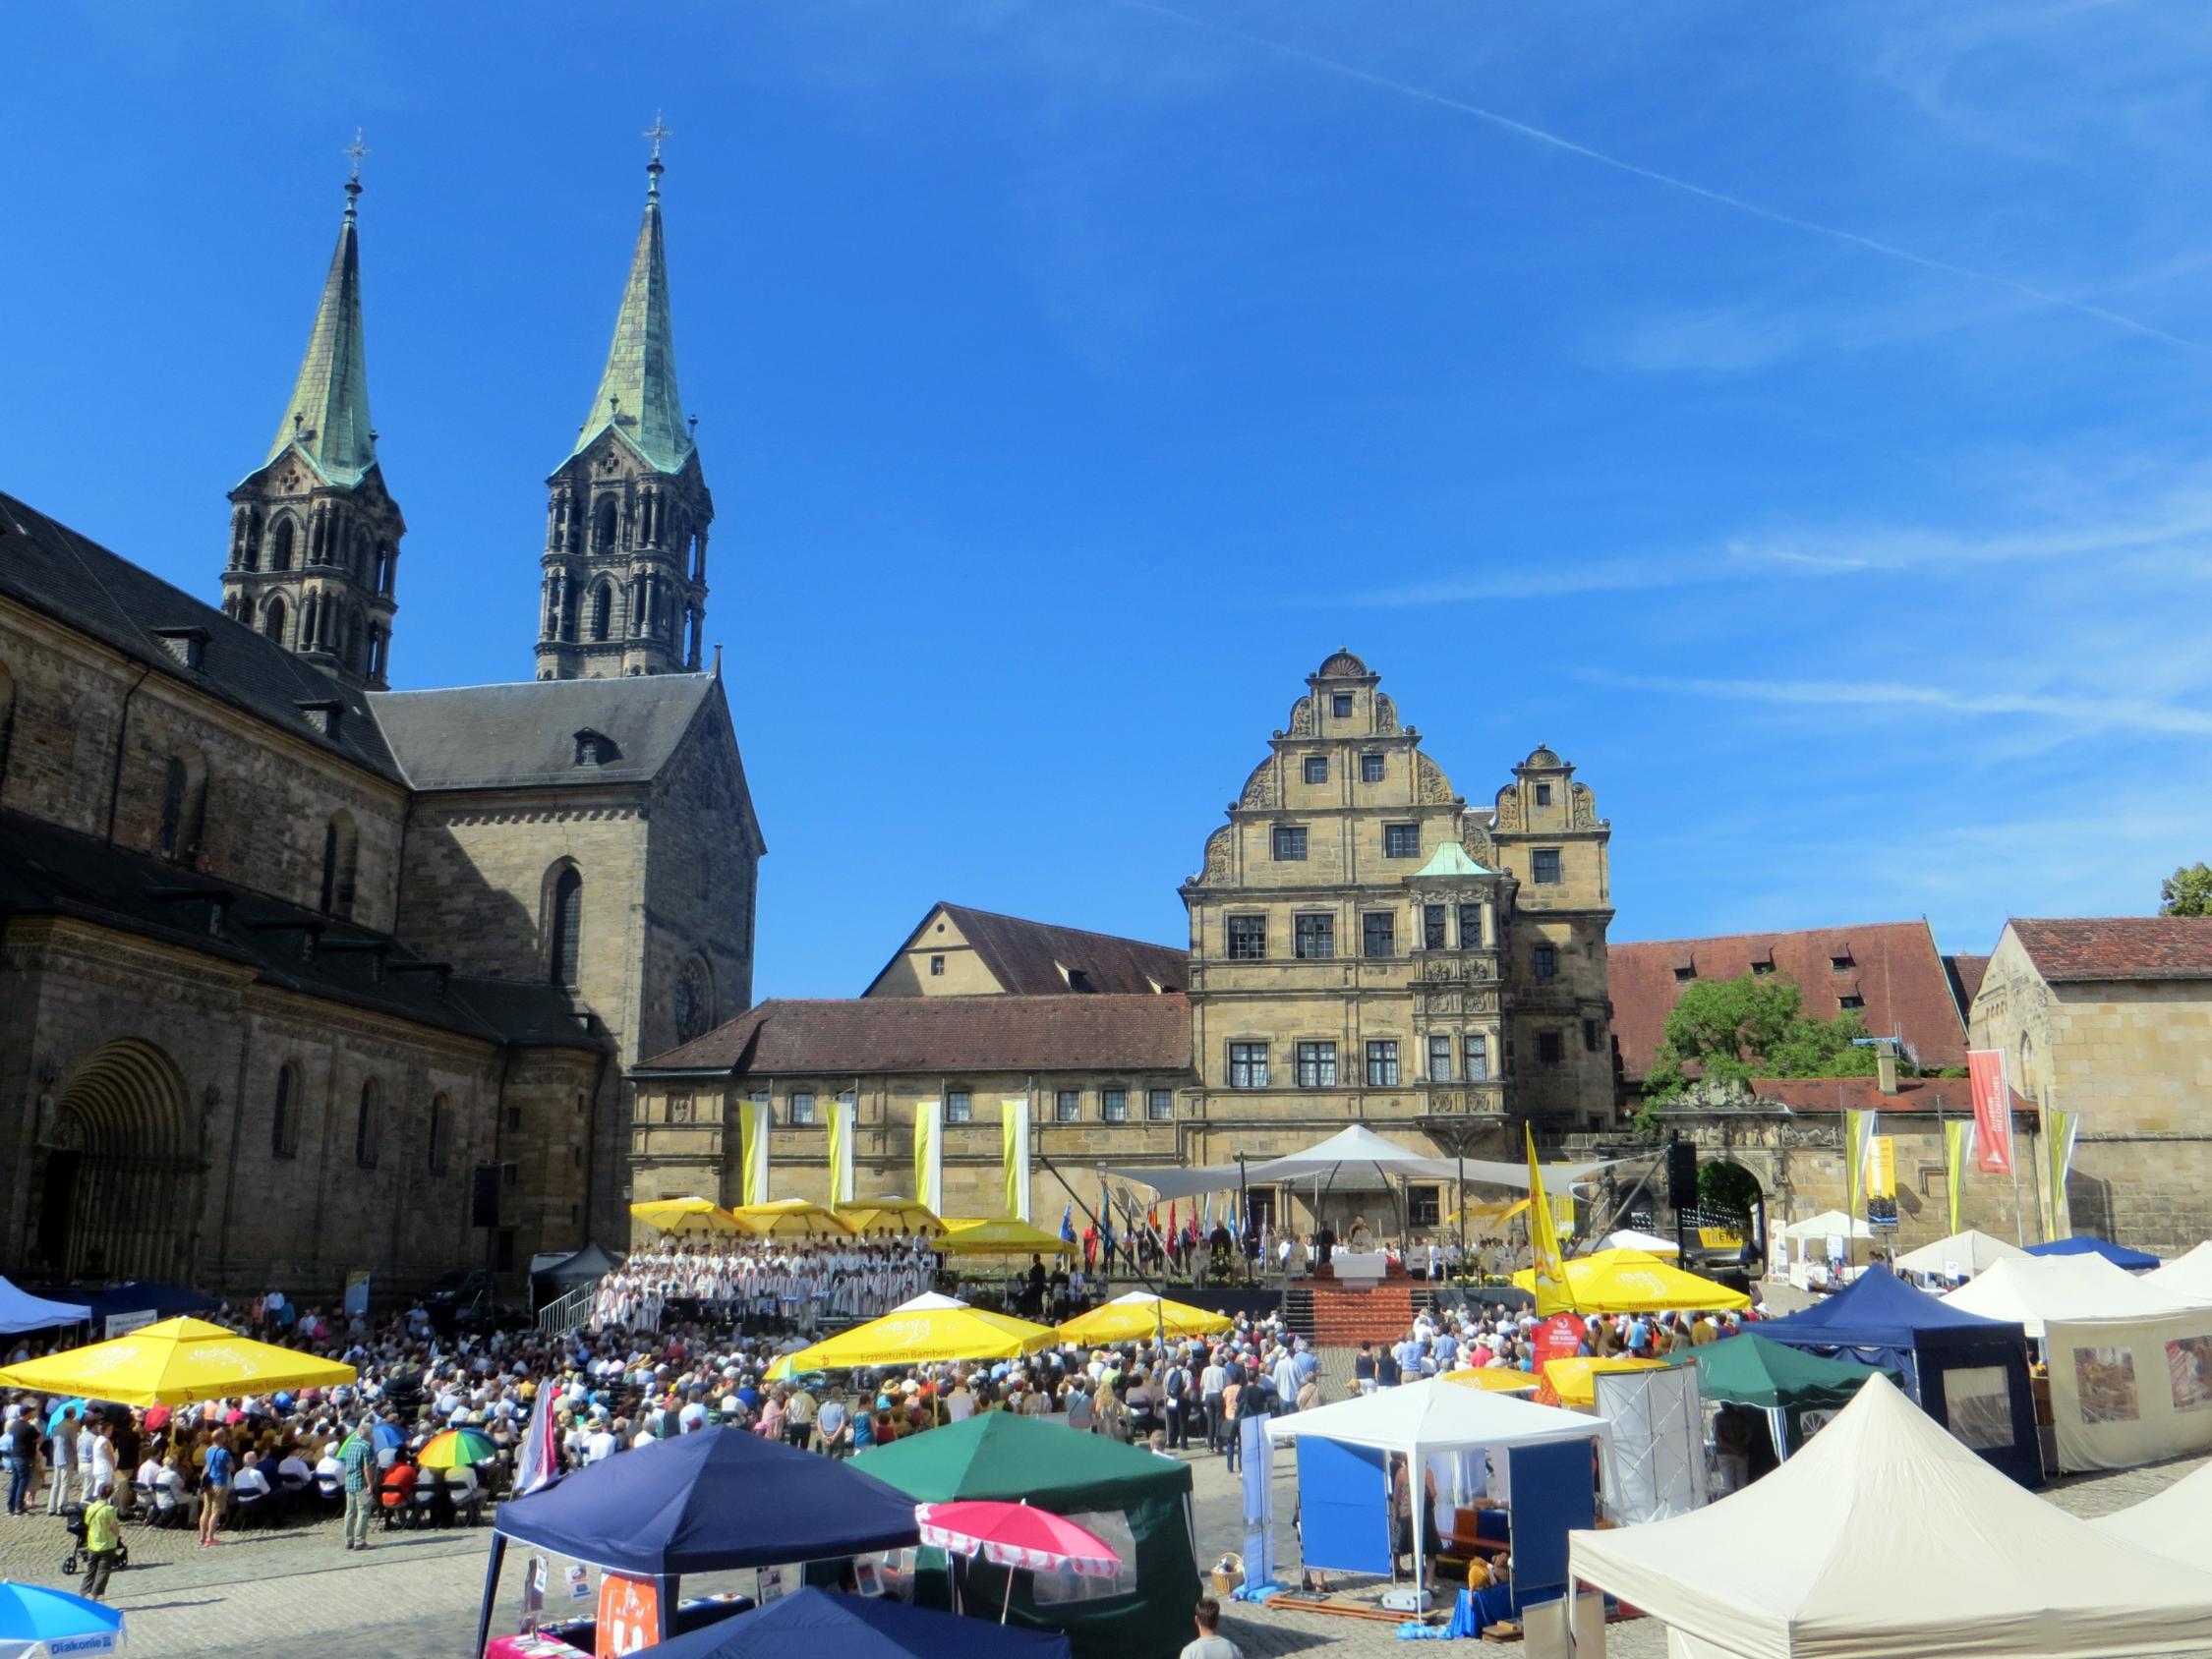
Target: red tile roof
1950, 1095
945, 1035
1026, 957
1894, 967
2108, 947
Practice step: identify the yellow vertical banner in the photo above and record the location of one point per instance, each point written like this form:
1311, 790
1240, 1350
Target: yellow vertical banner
2059, 1131
838, 1194
752, 1151
1959, 1151
1882, 1168
1552, 1292
1016, 1114
1858, 1141
929, 1156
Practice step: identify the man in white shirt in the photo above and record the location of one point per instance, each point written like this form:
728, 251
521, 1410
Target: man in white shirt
600, 1444
1211, 1382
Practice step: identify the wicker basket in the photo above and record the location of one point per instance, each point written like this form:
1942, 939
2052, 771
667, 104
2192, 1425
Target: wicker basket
1228, 1574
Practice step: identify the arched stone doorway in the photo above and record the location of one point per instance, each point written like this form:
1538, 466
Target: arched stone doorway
119, 1190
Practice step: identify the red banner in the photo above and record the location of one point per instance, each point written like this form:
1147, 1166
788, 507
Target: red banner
1558, 1337
1993, 1110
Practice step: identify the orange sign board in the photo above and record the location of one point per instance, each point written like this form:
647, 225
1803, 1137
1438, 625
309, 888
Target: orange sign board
630, 1615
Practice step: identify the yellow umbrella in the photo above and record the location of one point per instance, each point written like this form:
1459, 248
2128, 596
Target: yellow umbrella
685, 1214
924, 1332
1572, 1381
788, 1217
892, 1215
174, 1363
1139, 1315
1005, 1237
1492, 1379
1632, 1282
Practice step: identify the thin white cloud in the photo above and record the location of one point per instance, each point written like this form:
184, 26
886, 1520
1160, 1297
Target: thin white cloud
2084, 714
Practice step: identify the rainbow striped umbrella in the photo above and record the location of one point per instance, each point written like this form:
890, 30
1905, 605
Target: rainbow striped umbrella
457, 1448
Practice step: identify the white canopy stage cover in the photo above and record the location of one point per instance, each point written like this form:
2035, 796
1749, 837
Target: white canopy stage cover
1887, 1540
2188, 1276
1357, 1158
1829, 1223
2173, 1523
2038, 1291
1971, 1251
1651, 1244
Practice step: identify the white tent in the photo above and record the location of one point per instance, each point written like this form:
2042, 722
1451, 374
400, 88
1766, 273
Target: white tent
2188, 1275
1829, 1223
1355, 1158
1651, 1244
2038, 1290
2174, 1523
1887, 1540
1968, 1252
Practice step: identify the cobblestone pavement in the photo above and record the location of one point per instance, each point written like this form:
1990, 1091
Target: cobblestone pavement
282, 1592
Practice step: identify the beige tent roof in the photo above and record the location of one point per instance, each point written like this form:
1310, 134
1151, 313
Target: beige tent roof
2188, 1275
2174, 1523
1971, 1251
2039, 1289
1887, 1540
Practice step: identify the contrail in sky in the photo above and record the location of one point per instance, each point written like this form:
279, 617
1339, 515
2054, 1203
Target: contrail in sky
1521, 129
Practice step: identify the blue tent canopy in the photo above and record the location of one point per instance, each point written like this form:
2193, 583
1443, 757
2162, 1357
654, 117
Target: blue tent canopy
163, 1301
20, 1310
1946, 1356
814, 1621
709, 1500
2082, 1244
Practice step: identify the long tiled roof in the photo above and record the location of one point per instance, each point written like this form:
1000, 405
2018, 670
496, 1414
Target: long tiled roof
2107, 948
1948, 1096
502, 737
46, 871
1894, 967
53, 569
945, 1035
1967, 976
1028, 957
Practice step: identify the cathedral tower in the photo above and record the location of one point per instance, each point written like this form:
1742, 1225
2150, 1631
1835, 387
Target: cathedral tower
625, 560
313, 534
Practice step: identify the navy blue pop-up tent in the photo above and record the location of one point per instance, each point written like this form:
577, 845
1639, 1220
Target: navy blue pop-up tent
704, 1501
162, 1301
812, 1623
1968, 1373
2082, 1244
20, 1310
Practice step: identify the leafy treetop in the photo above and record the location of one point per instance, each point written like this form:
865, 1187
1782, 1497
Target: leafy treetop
2187, 891
1732, 1030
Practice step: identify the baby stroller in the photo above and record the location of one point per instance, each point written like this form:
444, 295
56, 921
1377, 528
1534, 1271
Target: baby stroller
73, 1519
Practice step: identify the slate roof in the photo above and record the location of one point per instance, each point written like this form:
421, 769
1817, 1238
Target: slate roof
47, 871
1026, 957
945, 1035
637, 390
1895, 967
327, 417
498, 736
53, 569
2110, 947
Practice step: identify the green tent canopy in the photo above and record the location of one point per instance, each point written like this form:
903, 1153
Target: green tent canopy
1749, 1370
1138, 1502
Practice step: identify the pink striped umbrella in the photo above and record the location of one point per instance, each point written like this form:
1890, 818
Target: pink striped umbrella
1015, 1535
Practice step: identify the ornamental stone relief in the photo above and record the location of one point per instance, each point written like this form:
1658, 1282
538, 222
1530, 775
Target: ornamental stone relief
1585, 807
1301, 717
1259, 788
1217, 856
1434, 788
1509, 807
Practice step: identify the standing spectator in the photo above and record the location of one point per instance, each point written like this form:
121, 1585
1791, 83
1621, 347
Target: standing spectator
1211, 1380
355, 1460
1175, 1399
61, 1448
19, 1446
103, 1540
215, 1474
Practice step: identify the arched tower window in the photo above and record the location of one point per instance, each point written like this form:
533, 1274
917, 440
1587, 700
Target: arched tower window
603, 521
564, 927
340, 853
273, 620
368, 1128
385, 570
284, 1120
253, 537
568, 630
433, 1143
602, 610
280, 546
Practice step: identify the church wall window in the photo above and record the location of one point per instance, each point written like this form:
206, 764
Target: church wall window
184, 808
434, 1142
280, 544
284, 1115
367, 1127
340, 859
567, 609
565, 928
603, 521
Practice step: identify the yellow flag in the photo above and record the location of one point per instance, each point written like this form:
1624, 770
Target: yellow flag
1959, 1150
2059, 1131
923, 1114
838, 1194
1858, 1137
749, 1133
1552, 1293
1015, 1146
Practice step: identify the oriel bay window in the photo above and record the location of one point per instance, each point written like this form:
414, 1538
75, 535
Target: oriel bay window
1432, 921
1439, 1060
1478, 1052
1313, 937
1316, 1065
1248, 1065
1382, 1065
1471, 926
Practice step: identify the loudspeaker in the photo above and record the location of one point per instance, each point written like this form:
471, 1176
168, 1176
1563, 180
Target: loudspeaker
484, 1196
1681, 1174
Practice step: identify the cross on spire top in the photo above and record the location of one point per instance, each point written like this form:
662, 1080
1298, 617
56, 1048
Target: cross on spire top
656, 132
354, 153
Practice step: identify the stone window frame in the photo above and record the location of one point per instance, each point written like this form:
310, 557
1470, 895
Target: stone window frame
1375, 767
937, 966
1154, 1099
1341, 705
1324, 936
1367, 921
1475, 1057
1544, 794
1382, 1062
284, 1113
1547, 867
1395, 838
1439, 1043
1235, 946
1550, 1047
1288, 844
1107, 1094
368, 1125
1544, 961
791, 1110
1066, 1105
1316, 1062
1464, 912
966, 1102
562, 927
1251, 1054
1316, 769
1438, 936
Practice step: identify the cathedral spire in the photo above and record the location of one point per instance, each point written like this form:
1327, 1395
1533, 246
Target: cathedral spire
637, 390
328, 415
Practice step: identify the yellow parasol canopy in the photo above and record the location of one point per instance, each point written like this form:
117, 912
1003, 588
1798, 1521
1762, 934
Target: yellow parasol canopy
788, 1217
1492, 1379
924, 1332
175, 1362
685, 1214
1573, 1380
1005, 1237
892, 1215
1632, 1282
1139, 1315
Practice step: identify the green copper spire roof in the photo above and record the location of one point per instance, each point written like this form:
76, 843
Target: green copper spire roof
328, 415
637, 392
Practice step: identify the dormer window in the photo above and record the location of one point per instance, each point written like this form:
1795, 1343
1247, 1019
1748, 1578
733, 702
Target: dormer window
1842, 960
188, 646
323, 715
595, 747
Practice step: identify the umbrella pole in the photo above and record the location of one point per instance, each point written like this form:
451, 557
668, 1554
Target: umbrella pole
1006, 1605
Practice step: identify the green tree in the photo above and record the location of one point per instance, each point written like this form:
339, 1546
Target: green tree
1726, 1188
2187, 891
1732, 1030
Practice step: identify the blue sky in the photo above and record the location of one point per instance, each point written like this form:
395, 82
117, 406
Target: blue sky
1796, 415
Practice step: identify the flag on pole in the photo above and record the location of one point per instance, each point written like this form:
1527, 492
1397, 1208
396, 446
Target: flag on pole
1959, 1151
1552, 1292
1067, 1222
537, 1461
753, 1122
1858, 1141
2059, 1131
1991, 1092
929, 1156
1016, 1117
843, 1123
